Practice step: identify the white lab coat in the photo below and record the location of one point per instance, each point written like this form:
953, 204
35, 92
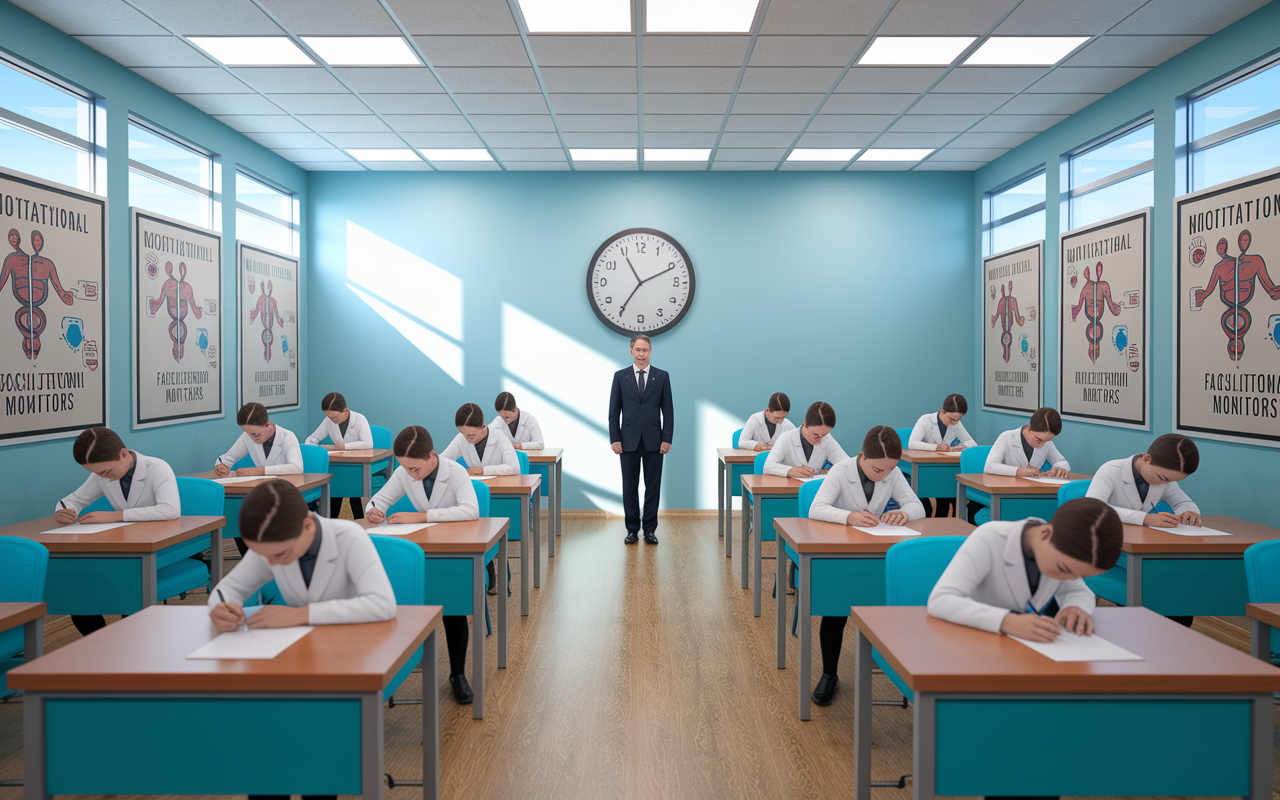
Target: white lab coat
359, 435
1113, 484
924, 436
153, 494
757, 432
499, 456
453, 498
528, 432
348, 584
841, 493
787, 453
285, 458
1007, 455
988, 578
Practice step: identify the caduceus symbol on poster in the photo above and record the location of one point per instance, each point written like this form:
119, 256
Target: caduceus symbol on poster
1095, 299
266, 306
1234, 278
177, 296
1006, 314
31, 278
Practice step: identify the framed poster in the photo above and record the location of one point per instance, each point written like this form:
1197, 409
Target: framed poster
1104, 321
1227, 311
1012, 293
53, 323
268, 311
177, 321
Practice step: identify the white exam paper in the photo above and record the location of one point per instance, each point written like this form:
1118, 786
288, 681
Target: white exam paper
400, 529
255, 643
1192, 530
884, 529
225, 481
813, 478
81, 530
483, 477
949, 453
1050, 481
1074, 647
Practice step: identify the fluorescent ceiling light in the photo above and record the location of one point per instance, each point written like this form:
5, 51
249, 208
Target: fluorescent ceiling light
577, 16
699, 16
668, 154
1024, 51
915, 50
363, 51
816, 154
602, 154
382, 154
886, 154
467, 154
253, 51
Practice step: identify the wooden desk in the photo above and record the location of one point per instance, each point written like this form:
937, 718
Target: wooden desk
735, 463
134, 677
1025, 498
354, 470
549, 464
118, 571
31, 617
456, 554
932, 473
517, 498
1262, 618
839, 567
1191, 695
764, 497
236, 492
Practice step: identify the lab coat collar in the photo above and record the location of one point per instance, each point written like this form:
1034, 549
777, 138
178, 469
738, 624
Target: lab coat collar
326, 561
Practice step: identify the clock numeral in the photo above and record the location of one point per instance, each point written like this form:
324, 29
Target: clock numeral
611, 265
675, 281
608, 299
603, 281
659, 312
639, 317
624, 250
658, 252
673, 300
640, 247
671, 265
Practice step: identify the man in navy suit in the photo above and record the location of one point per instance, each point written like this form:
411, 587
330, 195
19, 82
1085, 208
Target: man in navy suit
640, 424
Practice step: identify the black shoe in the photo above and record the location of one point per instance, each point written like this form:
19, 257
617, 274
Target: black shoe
649, 538
826, 689
632, 537
462, 689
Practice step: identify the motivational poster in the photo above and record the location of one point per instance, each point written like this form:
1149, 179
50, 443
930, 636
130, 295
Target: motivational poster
1012, 294
268, 312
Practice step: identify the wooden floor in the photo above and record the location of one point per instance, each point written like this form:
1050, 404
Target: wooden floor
641, 673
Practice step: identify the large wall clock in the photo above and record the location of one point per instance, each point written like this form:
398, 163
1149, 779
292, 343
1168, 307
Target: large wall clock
640, 281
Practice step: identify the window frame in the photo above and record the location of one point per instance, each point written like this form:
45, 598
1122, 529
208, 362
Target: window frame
1189, 147
989, 223
293, 226
1072, 192
214, 193
97, 120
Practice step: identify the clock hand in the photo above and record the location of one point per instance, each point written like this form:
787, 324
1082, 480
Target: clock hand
623, 307
651, 277
633, 270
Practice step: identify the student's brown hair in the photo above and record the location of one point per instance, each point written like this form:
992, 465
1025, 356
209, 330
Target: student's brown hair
413, 442
505, 402
779, 402
882, 442
96, 445
273, 512
1046, 420
469, 415
955, 404
333, 401
1088, 530
820, 413
252, 414
1175, 451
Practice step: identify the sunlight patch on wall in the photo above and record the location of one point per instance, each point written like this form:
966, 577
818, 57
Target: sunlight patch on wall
442, 352
715, 430
571, 373
414, 284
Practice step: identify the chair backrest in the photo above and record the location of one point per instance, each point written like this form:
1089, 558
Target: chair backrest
462, 461
806, 496
736, 436
1262, 571
761, 457
244, 462
905, 435
314, 458
101, 504
974, 459
23, 567
1073, 490
381, 437
482, 496
914, 566
523, 458
201, 497
404, 562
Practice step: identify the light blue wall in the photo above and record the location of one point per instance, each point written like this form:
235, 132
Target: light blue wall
1232, 477
35, 475
850, 288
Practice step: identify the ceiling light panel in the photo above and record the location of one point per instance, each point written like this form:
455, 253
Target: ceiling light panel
915, 50
458, 154
382, 154
577, 16
704, 16
674, 154
363, 51
819, 154
602, 154
253, 51
1024, 51
888, 154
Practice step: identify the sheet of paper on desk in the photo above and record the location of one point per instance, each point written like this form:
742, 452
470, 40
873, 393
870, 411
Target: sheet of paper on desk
1192, 530
255, 643
244, 479
482, 477
402, 529
884, 529
78, 529
813, 478
1050, 481
1074, 647
949, 453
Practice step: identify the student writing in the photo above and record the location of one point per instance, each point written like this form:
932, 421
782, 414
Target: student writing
808, 450
518, 427
1022, 452
483, 454
941, 431
273, 450
763, 428
347, 430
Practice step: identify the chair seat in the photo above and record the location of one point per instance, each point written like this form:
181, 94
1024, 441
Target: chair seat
1111, 585
182, 576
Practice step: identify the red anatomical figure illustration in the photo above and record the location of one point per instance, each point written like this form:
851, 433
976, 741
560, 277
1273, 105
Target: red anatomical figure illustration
1006, 314
1095, 299
176, 295
270, 315
31, 278
1234, 278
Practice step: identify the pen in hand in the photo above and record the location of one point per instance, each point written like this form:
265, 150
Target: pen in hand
244, 621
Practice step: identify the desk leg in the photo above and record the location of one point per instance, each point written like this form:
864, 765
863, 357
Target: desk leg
536, 505
33, 639
780, 603
431, 717
1262, 758
995, 507
757, 556
33, 743
727, 500
559, 495
368, 483
962, 506
524, 568
746, 536
149, 580
477, 632
803, 597
915, 479
502, 604
1259, 643
324, 501
371, 746
215, 563
553, 510
1135, 580
720, 497
923, 779
862, 720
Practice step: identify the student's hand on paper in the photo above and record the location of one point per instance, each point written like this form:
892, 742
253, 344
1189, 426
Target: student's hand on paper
1074, 620
406, 517
1031, 627
65, 515
1057, 472
375, 515
1162, 519
895, 518
100, 517
516, 445
251, 471
761, 446
943, 448
475, 470
221, 470
278, 617
664, 448
617, 448
800, 472
1026, 472
863, 519
226, 616
1191, 518
338, 446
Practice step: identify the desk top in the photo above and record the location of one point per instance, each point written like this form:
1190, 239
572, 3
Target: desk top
1009, 485
931, 457
1268, 613
731, 456
136, 537
1144, 540
547, 455
472, 536
816, 537
14, 614
932, 655
147, 652
359, 456
771, 484
305, 481
524, 485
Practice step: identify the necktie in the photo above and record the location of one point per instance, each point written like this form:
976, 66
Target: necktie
641, 377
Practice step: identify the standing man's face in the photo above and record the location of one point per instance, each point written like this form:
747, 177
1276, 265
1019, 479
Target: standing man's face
640, 351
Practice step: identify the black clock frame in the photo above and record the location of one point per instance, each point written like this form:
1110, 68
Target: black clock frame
591, 294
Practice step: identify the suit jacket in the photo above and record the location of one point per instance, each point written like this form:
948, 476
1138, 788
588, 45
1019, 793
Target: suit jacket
650, 418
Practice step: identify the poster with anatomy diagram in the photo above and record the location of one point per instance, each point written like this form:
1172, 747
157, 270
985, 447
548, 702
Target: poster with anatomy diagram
1012, 294
53, 310
1227, 311
1103, 321
177, 321
268, 312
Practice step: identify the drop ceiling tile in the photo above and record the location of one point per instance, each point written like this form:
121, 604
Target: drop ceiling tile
289, 140
231, 103
289, 80
1007, 139
835, 140
1131, 51
527, 123
950, 166
427, 17
689, 79
210, 17
812, 166
1034, 123
502, 103
373, 140
877, 80
473, 51
526, 140
1056, 18
959, 103
976, 80
389, 80
468, 166
914, 140
489, 79
960, 154
742, 166
1047, 103
695, 51
429, 123
607, 166
1065, 80
600, 123
660, 139
536, 166
750, 154
686, 103
446, 140
399, 166
766, 122
194, 80
753, 139
262, 123
147, 51
881, 166
330, 166
105, 18
867, 103
410, 103
851, 123
681, 123
822, 17
947, 18
345, 103
789, 79
313, 154
333, 17
933, 123
804, 51
583, 51
1186, 16
529, 153
674, 166
596, 80
343, 123
574, 139
595, 103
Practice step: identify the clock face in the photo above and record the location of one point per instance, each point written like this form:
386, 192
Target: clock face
640, 281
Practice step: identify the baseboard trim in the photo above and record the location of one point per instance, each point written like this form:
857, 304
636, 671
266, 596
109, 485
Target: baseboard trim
674, 513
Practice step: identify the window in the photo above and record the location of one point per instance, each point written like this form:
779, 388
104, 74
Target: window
265, 214
46, 128
1232, 128
1111, 177
1015, 214
170, 176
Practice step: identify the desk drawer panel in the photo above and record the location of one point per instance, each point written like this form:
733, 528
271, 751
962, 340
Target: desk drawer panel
839, 583
98, 585
937, 481
348, 480
1023, 507
515, 509
772, 508
1194, 586
449, 584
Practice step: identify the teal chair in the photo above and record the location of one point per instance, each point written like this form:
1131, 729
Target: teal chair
737, 435
807, 493
381, 441
974, 459
314, 459
734, 472
177, 572
404, 563
523, 458
1261, 574
24, 565
905, 435
1113, 584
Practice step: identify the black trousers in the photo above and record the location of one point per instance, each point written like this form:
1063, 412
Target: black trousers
335, 507
456, 636
89, 623
831, 638
942, 506
632, 463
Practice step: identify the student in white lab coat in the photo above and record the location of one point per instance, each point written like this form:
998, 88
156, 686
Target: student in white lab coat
942, 432
519, 428
347, 430
483, 454
856, 492
763, 428
1022, 452
273, 450
808, 450
139, 488
441, 491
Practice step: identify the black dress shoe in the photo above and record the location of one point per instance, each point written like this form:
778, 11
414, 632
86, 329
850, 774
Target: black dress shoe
632, 537
826, 689
462, 689
649, 538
